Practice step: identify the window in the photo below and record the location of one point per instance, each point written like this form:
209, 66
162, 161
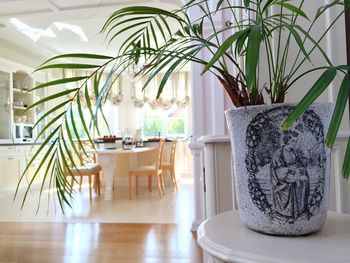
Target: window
152, 122
159, 122
110, 113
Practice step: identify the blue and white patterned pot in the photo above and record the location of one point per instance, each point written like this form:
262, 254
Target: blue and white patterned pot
281, 177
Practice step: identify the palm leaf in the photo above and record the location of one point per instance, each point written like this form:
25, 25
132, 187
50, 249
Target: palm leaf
94, 123
297, 40
81, 115
339, 109
224, 46
51, 123
316, 90
252, 57
69, 66
293, 8
75, 55
41, 164
346, 163
31, 161
49, 165
57, 95
59, 82
71, 141
51, 111
76, 133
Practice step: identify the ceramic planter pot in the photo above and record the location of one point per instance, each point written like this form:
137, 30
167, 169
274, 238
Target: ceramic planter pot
281, 178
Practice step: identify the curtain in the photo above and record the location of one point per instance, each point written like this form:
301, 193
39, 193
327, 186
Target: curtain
115, 95
176, 91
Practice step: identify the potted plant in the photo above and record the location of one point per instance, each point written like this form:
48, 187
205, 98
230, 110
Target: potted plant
275, 146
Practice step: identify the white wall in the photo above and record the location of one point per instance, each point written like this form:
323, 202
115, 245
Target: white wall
334, 45
128, 117
21, 55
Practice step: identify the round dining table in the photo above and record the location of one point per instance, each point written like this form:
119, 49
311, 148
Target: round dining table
107, 160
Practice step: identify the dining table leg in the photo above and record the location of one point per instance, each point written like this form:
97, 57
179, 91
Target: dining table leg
108, 164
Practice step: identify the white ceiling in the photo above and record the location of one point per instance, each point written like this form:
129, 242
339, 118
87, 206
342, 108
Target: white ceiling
89, 15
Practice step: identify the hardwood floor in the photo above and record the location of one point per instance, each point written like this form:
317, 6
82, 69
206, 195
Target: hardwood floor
97, 242
176, 207
101, 231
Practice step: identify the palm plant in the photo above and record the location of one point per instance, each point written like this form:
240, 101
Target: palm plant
163, 41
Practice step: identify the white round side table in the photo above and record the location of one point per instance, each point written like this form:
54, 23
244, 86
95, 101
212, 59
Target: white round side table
224, 238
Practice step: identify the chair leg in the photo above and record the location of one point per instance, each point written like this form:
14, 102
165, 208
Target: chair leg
80, 183
172, 173
66, 183
130, 186
162, 182
150, 183
90, 187
98, 184
137, 184
159, 186
72, 182
94, 184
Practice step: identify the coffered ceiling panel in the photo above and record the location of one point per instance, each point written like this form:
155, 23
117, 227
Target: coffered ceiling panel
50, 27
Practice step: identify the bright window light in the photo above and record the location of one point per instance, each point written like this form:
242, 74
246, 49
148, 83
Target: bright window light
75, 29
33, 33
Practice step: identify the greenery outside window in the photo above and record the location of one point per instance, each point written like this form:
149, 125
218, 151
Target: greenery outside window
110, 113
171, 123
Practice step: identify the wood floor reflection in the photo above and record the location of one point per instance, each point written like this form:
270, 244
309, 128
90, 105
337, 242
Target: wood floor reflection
97, 242
175, 207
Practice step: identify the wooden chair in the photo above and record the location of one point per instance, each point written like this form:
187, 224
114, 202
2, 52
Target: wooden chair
149, 171
89, 168
171, 165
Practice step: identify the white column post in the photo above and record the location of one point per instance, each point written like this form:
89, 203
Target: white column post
208, 106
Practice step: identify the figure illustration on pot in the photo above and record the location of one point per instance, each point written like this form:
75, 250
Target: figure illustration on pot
286, 169
289, 179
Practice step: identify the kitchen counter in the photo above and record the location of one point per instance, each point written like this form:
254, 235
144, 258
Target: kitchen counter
20, 144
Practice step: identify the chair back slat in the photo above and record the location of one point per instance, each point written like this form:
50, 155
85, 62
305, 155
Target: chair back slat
89, 157
172, 154
160, 154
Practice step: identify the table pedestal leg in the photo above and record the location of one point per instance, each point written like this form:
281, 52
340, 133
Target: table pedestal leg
108, 162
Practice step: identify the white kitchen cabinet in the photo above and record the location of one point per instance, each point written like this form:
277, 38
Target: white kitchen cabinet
15, 98
13, 160
22, 97
9, 173
11, 163
5, 106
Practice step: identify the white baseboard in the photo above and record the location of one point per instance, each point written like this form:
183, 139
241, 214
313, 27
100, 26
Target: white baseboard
11, 190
